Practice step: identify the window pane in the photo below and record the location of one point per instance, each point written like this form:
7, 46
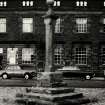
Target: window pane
31, 3
81, 20
27, 20
23, 3
81, 25
27, 54
1, 50
27, 3
58, 55
56, 3
103, 55
80, 55
2, 25
27, 28
85, 3
81, 3
27, 24
1, 4
59, 25
77, 3
2, 28
5, 3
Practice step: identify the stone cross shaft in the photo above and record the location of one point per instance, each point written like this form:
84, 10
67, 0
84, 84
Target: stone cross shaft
49, 21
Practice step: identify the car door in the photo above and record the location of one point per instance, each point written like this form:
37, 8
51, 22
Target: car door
17, 72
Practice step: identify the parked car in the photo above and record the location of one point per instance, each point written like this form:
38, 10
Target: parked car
74, 71
16, 71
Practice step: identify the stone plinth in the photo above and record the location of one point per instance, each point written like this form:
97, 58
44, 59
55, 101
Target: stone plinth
51, 96
50, 79
51, 90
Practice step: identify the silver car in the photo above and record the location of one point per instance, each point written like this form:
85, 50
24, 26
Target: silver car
16, 71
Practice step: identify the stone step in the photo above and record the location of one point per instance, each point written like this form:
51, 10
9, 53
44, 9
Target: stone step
44, 83
77, 101
49, 97
22, 101
58, 90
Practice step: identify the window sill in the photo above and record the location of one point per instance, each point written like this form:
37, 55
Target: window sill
27, 33
3, 33
27, 64
81, 32
58, 65
102, 32
81, 64
58, 32
102, 65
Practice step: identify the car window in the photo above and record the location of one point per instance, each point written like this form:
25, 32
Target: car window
17, 67
13, 68
9, 67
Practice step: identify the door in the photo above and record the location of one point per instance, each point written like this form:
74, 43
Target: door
1, 57
12, 55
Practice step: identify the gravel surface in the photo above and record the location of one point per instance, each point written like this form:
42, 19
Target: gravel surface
8, 94
96, 95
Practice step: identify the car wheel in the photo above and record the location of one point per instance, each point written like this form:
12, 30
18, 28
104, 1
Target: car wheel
26, 76
5, 76
88, 77
82, 78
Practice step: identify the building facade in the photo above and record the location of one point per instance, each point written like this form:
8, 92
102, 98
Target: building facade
79, 34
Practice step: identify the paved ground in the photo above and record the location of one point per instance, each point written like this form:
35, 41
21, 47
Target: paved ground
17, 82
86, 83
94, 83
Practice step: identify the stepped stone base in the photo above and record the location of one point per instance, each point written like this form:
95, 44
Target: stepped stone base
43, 102
51, 90
74, 101
51, 96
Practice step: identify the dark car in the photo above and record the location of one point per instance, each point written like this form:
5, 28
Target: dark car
16, 71
74, 71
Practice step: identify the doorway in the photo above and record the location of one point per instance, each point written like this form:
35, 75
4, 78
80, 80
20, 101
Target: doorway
1, 59
12, 55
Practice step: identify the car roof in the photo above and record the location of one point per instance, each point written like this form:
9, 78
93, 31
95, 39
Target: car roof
12, 66
69, 68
